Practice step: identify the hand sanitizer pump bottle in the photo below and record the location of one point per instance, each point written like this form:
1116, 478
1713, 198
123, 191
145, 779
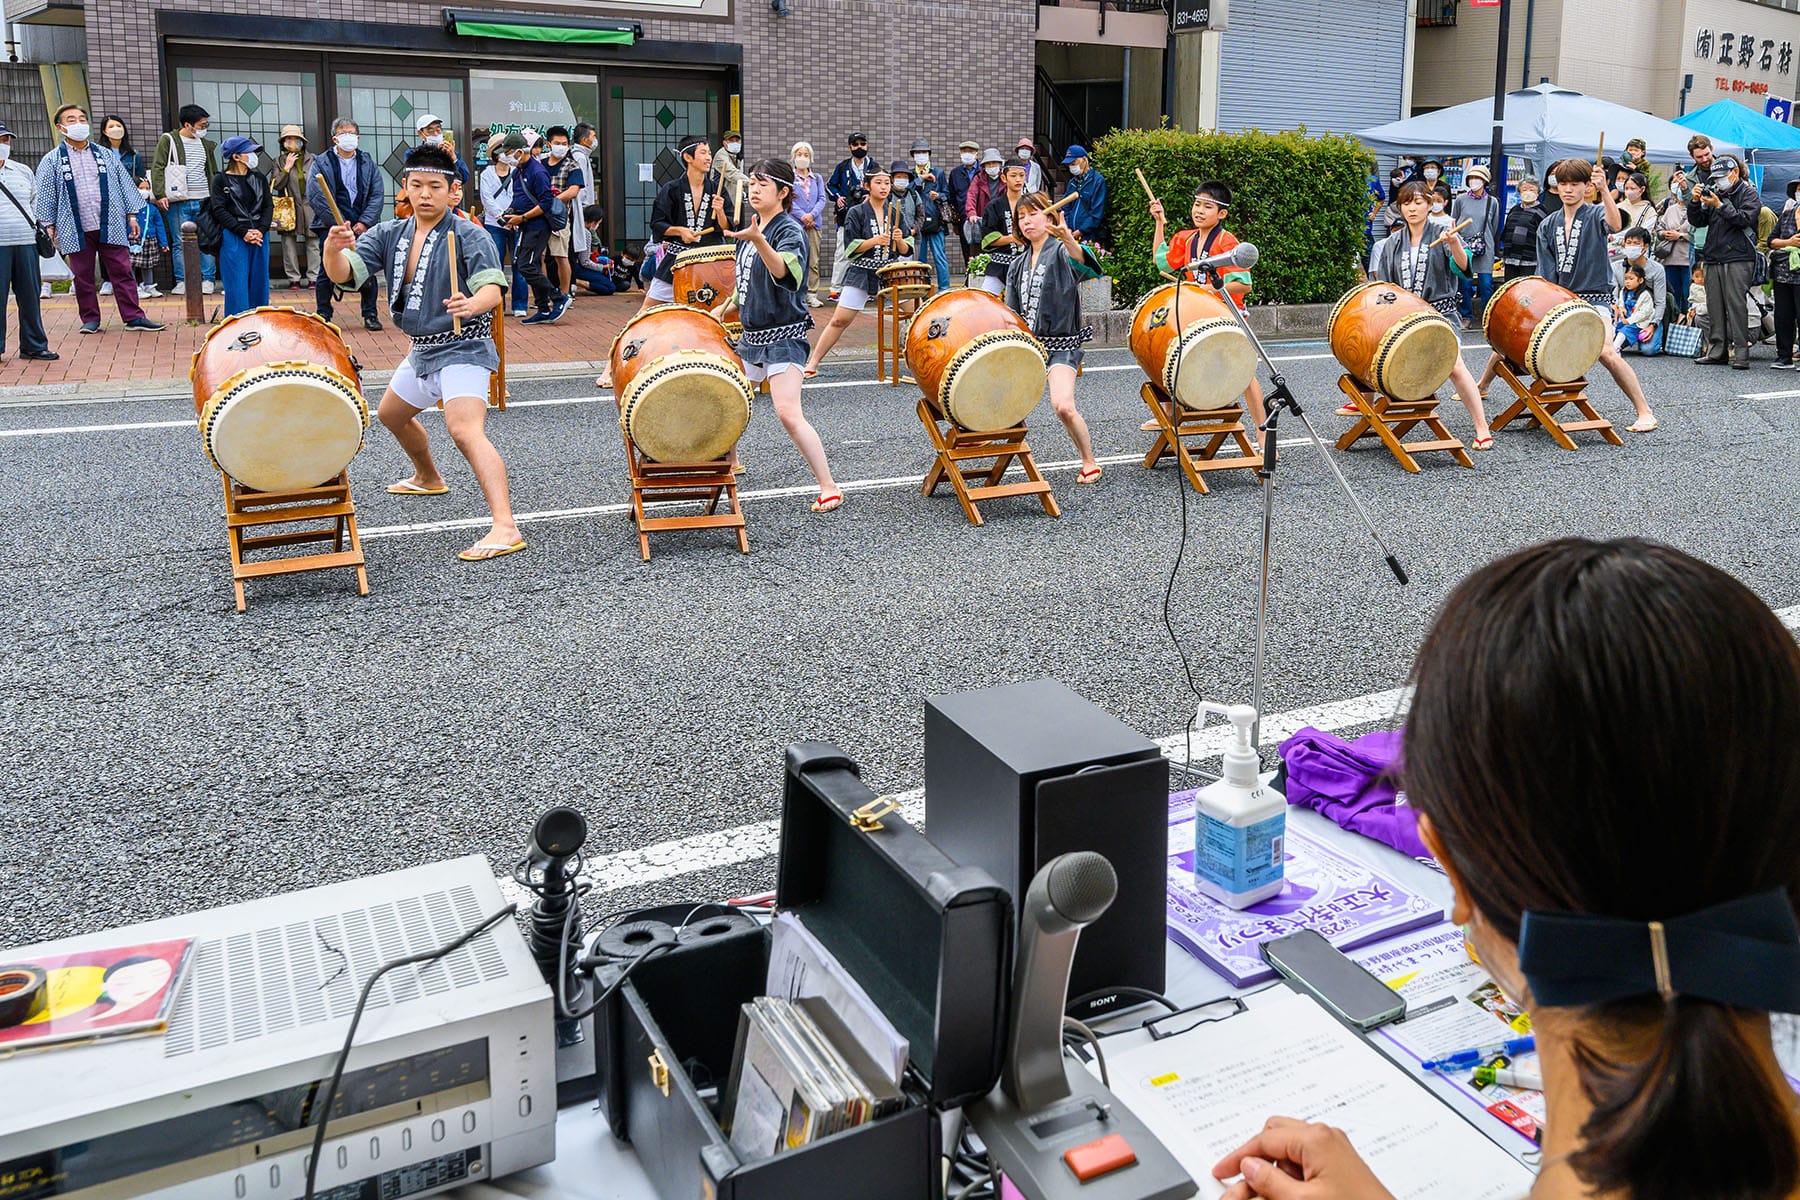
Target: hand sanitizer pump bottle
1240, 822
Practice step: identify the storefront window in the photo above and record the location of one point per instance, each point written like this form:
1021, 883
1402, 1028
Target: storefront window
509, 100
385, 109
255, 104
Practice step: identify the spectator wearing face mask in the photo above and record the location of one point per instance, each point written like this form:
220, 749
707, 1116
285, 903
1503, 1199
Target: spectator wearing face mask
1635, 256
566, 183
18, 252
90, 210
496, 197
1518, 236
1440, 198
728, 164
181, 172
1431, 170
847, 188
1635, 209
1087, 216
982, 190
1387, 213
288, 177
584, 235
1674, 247
962, 178
430, 130
933, 187
356, 185
1482, 235
809, 210
1026, 152
910, 209
243, 206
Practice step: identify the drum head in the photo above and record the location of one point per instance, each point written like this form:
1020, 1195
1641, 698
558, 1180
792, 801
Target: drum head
1567, 343
688, 407
1416, 357
994, 382
285, 426
1210, 366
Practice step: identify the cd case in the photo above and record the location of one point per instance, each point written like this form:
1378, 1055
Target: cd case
114, 991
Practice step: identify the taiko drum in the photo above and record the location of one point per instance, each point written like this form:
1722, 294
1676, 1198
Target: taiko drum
1390, 340
1545, 328
976, 360
278, 399
706, 277
682, 393
1190, 345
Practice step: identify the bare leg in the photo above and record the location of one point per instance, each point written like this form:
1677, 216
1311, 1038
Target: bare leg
1464, 383
1062, 400
1488, 373
841, 319
402, 420
1627, 379
466, 417
1253, 400
784, 389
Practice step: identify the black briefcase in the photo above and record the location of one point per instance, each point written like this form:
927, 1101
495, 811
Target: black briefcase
931, 943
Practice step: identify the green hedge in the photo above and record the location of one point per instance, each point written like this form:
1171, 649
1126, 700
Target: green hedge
1302, 200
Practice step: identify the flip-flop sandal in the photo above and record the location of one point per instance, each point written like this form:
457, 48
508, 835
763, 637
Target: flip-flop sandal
810, 373
1482, 443
1089, 475
1347, 410
493, 550
1640, 427
825, 504
407, 487
604, 383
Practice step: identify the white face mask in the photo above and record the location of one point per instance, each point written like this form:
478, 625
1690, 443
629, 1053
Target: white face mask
802, 162
143, 191
900, 185
1633, 250
993, 172
434, 139
1475, 185
922, 159
250, 161
733, 147
1077, 169
968, 160
1024, 154
1430, 175
77, 132
6, 153
1634, 193
346, 141
558, 151
1437, 206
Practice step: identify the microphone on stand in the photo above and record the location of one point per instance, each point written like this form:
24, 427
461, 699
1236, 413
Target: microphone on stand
1241, 257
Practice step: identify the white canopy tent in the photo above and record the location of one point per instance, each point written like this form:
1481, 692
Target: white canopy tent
1544, 124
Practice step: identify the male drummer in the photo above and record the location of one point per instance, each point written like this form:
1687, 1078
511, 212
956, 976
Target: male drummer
1571, 251
447, 363
1212, 202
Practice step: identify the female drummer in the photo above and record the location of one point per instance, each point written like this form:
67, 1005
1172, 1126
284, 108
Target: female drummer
1571, 251
1424, 257
1041, 287
771, 299
871, 241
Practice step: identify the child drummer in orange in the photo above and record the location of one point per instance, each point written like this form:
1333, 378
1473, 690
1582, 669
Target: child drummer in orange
1212, 201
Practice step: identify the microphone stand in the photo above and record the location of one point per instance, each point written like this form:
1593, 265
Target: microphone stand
1281, 396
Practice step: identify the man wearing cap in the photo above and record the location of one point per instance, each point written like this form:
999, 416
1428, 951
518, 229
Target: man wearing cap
357, 191
18, 252
430, 128
1088, 215
287, 177
846, 188
934, 191
1482, 211
1026, 152
90, 208
1727, 207
962, 178
728, 164
912, 213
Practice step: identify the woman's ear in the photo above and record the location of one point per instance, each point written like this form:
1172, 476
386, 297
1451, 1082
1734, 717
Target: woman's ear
1462, 911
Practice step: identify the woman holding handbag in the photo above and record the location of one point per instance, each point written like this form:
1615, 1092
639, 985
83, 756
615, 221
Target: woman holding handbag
292, 220
243, 206
21, 241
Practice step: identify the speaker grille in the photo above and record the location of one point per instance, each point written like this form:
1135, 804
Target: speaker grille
247, 985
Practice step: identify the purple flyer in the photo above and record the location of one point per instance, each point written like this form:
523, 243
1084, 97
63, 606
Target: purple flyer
1325, 889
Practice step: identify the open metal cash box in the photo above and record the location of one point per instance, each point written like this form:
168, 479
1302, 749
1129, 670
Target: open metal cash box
931, 943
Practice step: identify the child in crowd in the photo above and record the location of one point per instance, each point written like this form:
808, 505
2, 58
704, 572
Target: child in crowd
152, 246
1696, 313
1634, 309
594, 266
1212, 203
1041, 287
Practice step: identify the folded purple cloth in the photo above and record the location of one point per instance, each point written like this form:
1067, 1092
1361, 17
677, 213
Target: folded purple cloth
1353, 783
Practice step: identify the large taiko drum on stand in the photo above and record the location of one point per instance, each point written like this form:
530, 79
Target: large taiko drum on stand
976, 360
682, 393
1390, 340
1206, 361
278, 399
1545, 328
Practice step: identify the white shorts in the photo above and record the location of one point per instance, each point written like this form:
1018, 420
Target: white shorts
757, 372
423, 391
661, 293
993, 286
853, 298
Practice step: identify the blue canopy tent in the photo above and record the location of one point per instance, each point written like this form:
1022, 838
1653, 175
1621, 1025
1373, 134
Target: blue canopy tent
1771, 145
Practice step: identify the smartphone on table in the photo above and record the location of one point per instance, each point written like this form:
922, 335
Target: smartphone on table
1345, 987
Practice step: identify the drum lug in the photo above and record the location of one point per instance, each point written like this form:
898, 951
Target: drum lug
246, 339
937, 328
1159, 317
632, 348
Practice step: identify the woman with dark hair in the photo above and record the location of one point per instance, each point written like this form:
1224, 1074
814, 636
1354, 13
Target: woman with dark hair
116, 135
1633, 884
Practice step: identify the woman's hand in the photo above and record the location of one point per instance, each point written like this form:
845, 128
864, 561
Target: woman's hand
253, 238
1292, 1160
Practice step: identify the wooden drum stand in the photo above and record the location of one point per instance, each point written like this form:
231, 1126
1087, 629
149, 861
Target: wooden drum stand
1176, 423
653, 482
956, 446
247, 510
1384, 417
895, 308
1540, 402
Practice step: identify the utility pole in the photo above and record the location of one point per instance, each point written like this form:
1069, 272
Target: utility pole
1497, 155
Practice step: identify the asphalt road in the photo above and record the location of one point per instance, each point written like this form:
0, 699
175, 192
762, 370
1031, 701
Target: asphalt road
164, 752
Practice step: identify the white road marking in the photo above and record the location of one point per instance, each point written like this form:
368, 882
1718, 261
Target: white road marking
1767, 395
99, 428
759, 839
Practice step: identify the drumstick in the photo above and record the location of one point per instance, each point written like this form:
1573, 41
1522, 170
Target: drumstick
737, 211
1467, 221
1068, 199
331, 200
450, 245
1600, 154
1144, 182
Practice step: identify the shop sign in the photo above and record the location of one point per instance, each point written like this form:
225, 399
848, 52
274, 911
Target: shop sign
1197, 16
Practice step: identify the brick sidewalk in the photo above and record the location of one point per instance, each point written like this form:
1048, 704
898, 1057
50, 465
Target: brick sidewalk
161, 361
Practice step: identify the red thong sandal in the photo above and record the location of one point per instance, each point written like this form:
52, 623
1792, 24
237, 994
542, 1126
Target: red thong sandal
1483, 443
1088, 475
825, 504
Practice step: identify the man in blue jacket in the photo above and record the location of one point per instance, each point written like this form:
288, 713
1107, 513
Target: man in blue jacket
844, 191
358, 191
962, 177
532, 200
1088, 216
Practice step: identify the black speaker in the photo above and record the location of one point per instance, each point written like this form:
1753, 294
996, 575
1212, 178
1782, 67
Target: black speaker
1016, 775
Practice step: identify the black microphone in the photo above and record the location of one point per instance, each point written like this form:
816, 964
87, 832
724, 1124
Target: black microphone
1068, 892
1242, 256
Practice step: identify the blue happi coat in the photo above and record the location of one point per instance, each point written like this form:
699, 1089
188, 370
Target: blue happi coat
56, 203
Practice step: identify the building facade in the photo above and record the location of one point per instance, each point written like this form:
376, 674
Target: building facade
1642, 56
895, 70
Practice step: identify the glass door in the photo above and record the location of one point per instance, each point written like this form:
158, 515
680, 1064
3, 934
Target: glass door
385, 108
647, 120
250, 101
